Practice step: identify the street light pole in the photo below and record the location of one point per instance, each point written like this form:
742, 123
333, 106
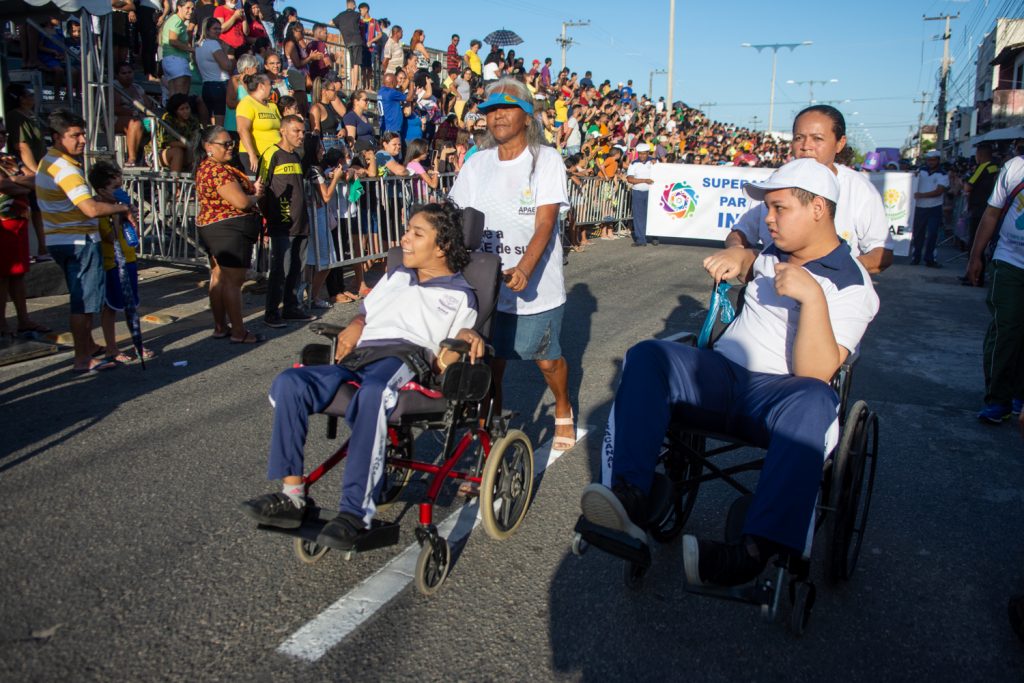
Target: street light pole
810, 87
566, 42
671, 51
774, 47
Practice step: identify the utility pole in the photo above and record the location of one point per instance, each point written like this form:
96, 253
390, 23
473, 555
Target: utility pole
671, 52
754, 120
944, 77
650, 81
706, 107
920, 123
566, 42
774, 47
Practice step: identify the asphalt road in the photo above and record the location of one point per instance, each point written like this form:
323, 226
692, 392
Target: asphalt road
119, 523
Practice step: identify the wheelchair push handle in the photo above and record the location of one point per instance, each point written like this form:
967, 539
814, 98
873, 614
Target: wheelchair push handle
326, 329
458, 346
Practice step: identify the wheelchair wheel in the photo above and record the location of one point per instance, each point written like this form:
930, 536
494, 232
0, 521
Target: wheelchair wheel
433, 564
684, 472
801, 598
853, 481
579, 546
395, 481
309, 552
506, 484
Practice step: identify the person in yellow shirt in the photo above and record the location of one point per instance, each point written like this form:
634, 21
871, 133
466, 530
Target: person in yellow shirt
259, 121
105, 179
473, 58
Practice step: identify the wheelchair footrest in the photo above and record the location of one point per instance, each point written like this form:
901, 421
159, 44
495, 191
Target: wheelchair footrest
760, 592
614, 542
381, 534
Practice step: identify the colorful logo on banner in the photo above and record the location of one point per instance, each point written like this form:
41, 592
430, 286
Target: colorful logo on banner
895, 203
679, 200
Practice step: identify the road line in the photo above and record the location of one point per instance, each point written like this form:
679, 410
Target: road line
334, 624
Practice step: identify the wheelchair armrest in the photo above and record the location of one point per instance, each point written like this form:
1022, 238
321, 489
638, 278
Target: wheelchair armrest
457, 345
326, 329
317, 354
682, 337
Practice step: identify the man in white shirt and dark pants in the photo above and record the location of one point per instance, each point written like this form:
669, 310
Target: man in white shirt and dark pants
932, 184
638, 175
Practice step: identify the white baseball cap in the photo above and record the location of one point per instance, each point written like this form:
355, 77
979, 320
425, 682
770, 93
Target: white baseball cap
933, 154
643, 147
806, 174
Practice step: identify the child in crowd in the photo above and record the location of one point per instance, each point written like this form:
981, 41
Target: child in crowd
105, 179
323, 170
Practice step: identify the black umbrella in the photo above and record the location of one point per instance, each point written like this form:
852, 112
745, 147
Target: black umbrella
502, 38
131, 314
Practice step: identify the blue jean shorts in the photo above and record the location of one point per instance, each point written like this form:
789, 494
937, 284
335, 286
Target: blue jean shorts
83, 271
528, 337
114, 298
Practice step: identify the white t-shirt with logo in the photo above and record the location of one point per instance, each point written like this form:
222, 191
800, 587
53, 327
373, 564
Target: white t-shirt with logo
928, 182
860, 216
1010, 247
641, 170
400, 307
762, 336
508, 197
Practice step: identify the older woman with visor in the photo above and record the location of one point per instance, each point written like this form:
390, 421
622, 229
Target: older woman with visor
519, 184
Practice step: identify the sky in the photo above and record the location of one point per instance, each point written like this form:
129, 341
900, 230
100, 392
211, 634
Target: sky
884, 57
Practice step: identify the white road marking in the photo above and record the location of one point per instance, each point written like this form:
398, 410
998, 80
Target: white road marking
312, 641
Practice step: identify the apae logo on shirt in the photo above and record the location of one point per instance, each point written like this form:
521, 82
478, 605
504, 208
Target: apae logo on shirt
527, 202
448, 304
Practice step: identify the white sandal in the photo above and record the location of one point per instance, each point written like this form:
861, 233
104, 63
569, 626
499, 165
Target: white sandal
564, 443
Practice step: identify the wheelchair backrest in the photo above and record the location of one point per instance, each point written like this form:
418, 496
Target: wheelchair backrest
483, 272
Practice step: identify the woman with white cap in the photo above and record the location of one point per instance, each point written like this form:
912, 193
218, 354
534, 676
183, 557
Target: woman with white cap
519, 184
819, 132
638, 175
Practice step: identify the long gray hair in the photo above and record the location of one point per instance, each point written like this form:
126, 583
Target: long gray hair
534, 130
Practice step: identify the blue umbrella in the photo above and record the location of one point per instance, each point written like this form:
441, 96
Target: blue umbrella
131, 313
503, 38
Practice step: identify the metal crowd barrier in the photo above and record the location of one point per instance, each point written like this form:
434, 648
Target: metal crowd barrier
357, 229
597, 201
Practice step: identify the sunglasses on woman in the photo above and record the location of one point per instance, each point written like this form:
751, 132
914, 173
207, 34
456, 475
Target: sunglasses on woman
226, 144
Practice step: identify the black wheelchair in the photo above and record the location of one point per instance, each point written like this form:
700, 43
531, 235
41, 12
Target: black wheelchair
498, 459
687, 460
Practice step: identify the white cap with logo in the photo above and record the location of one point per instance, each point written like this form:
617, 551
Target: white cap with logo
806, 174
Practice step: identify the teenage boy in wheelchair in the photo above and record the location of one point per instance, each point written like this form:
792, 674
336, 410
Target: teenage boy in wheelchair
806, 307
401, 327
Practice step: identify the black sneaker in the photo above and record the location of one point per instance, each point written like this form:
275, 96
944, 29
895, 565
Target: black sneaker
618, 508
276, 509
274, 321
342, 532
298, 315
721, 564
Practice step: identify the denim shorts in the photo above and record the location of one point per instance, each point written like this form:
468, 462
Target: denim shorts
528, 337
83, 271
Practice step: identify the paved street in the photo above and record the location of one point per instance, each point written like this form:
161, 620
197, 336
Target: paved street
119, 520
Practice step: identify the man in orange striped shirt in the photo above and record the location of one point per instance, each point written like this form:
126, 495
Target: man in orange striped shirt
70, 221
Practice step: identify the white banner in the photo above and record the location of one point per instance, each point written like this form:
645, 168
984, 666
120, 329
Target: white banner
897, 189
699, 202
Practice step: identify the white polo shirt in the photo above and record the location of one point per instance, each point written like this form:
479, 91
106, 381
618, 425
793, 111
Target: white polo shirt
927, 182
642, 171
401, 308
860, 216
508, 196
1010, 247
762, 336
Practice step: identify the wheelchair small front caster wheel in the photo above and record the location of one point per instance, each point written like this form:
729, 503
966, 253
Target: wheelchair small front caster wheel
309, 552
432, 565
801, 597
579, 546
633, 575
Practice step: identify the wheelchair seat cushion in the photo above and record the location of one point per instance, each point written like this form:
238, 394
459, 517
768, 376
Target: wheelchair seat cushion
412, 403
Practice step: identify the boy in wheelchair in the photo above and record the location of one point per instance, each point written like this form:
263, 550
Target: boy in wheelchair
766, 381
396, 339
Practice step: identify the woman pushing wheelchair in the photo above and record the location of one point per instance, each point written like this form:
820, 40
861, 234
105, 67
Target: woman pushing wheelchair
395, 340
766, 381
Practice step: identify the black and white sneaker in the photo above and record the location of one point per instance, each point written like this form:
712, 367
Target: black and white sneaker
720, 564
342, 532
617, 508
298, 315
276, 509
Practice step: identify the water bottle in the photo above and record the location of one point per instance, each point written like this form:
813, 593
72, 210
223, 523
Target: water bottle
131, 237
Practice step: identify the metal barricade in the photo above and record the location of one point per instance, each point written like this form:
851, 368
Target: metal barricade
168, 208
597, 201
